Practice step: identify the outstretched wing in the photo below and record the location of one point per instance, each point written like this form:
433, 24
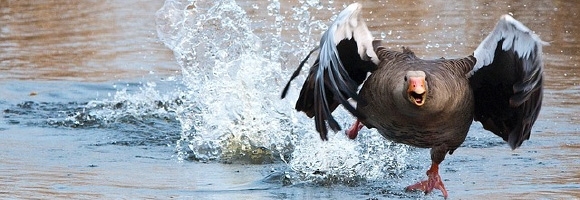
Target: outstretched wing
345, 57
507, 81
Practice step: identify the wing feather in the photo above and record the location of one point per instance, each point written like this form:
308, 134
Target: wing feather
507, 80
345, 56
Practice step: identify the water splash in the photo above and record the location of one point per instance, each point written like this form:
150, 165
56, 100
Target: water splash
341, 160
139, 114
233, 75
231, 99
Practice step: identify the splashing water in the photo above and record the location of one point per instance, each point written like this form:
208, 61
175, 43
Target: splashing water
229, 108
230, 104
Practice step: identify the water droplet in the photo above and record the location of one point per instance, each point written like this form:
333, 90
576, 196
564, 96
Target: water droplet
222, 54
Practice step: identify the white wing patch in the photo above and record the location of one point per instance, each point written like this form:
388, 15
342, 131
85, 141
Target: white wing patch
515, 34
349, 23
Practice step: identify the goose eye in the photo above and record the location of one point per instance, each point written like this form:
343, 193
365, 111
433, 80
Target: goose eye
405, 78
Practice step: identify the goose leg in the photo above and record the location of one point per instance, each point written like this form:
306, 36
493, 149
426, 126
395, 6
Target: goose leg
352, 132
433, 182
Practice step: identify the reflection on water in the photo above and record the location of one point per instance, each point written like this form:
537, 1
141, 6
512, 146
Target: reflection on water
117, 40
79, 40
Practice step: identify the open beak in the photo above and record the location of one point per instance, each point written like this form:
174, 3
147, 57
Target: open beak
417, 90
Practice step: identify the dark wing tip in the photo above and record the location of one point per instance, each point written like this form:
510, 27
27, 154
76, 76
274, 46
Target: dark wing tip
296, 72
342, 65
507, 81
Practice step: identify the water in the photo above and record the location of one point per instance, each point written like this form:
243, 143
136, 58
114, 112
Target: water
179, 99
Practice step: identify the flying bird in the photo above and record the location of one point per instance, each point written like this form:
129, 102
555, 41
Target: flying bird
424, 103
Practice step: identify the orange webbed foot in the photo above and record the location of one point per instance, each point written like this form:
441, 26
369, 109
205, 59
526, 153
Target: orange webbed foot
433, 182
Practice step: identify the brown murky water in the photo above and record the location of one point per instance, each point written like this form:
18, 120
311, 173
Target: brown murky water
80, 40
54, 50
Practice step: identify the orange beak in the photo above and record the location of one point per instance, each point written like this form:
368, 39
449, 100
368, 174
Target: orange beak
417, 85
417, 90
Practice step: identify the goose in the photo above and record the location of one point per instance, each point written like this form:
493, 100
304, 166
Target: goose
419, 102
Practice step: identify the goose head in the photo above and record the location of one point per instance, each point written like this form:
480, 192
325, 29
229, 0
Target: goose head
416, 87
